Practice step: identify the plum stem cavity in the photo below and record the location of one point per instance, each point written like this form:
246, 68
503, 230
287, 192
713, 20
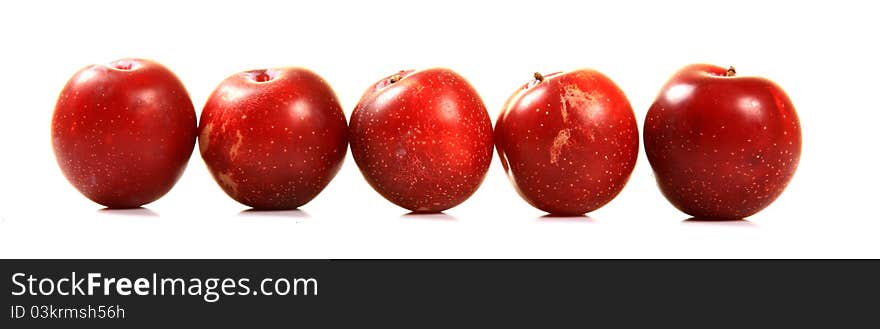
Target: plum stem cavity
731, 71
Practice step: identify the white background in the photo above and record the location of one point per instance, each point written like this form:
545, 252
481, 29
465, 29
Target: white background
825, 56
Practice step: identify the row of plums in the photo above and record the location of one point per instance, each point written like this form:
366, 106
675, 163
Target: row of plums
721, 146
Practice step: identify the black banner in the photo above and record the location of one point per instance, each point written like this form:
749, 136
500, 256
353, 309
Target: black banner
337, 293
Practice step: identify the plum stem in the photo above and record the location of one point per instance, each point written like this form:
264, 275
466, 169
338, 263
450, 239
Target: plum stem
538, 76
730, 72
396, 77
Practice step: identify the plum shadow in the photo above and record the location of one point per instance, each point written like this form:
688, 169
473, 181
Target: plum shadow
257, 213
133, 212
553, 218
439, 216
696, 221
